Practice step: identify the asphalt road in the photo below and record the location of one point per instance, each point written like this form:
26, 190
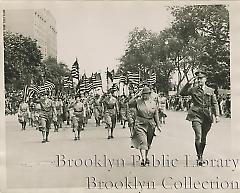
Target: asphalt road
96, 163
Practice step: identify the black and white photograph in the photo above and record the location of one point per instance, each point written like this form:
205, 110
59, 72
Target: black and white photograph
131, 96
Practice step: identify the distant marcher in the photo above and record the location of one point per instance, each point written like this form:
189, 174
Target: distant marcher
23, 114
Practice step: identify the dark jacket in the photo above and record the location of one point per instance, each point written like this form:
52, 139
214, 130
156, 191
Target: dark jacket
204, 102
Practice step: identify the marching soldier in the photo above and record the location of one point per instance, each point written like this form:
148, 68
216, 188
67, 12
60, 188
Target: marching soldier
59, 108
110, 112
78, 117
23, 114
70, 110
37, 112
123, 109
201, 113
48, 110
97, 109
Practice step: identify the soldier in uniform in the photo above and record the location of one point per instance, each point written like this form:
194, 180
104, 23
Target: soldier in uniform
23, 114
110, 112
78, 117
37, 110
123, 110
71, 102
201, 113
48, 110
97, 109
59, 109
31, 110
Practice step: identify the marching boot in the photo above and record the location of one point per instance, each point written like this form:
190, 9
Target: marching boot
55, 127
199, 160
202, 150
124, 123
199, 156
147, 162
112, 132
24, 125
109, 137
43, 135
202, 147
47, 133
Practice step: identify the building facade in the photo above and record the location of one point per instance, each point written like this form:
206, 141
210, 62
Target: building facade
38, 24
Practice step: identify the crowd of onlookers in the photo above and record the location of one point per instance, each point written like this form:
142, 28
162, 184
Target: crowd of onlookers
179, 103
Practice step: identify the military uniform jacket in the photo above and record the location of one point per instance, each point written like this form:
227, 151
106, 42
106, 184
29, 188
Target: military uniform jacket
204, 103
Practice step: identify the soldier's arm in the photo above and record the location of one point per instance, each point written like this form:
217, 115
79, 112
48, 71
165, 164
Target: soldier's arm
186, 90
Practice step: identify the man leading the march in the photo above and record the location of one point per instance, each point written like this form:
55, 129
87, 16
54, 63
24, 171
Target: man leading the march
201, 113
46, 114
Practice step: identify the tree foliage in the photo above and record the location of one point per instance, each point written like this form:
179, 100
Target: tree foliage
23, 64
22, 61
197, 39
208, 28
54, 71
146, 51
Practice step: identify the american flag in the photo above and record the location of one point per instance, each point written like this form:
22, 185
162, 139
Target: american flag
48, 86
96, 80
123, 79
133, 78
29, 91
84, 85
81, 86
152, 78
116, 77
75, 70
88, 83
68, 82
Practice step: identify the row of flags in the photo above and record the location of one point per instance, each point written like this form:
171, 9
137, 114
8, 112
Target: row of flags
95, 81
87, 84
132, 78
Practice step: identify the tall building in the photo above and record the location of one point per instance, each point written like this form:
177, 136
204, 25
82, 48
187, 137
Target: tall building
38, 24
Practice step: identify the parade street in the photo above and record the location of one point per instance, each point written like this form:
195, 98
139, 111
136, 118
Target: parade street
93, 158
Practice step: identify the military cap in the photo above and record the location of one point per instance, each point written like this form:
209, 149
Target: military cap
200, 74
146, 90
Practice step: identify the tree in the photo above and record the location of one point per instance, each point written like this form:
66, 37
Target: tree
22, 61
207, 28
54, 72
146, 51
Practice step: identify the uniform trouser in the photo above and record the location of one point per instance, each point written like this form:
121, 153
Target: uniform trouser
78, 122
46, 123
201, 130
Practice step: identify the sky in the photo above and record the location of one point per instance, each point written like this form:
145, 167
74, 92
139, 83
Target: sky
97, 33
